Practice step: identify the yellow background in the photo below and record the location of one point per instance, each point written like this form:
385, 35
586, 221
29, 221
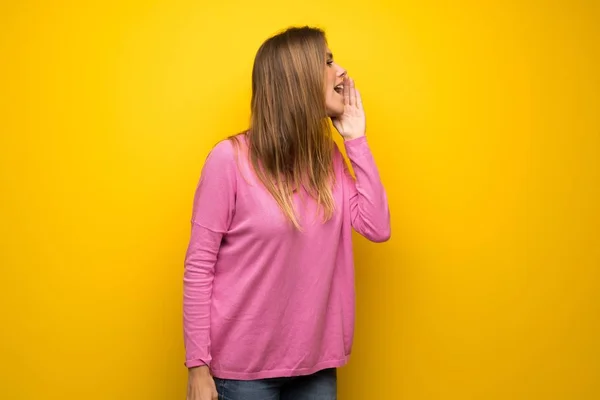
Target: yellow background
484, 118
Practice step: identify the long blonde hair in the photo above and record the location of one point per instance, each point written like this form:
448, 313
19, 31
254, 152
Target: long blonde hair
289, 141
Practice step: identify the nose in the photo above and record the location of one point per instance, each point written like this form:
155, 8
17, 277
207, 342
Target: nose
342, 73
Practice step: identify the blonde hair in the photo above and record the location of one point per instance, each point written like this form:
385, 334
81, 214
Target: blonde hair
290, 145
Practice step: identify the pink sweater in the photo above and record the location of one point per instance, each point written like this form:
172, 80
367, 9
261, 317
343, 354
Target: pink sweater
261, 299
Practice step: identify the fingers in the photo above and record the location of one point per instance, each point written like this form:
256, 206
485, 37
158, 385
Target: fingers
358, 100
352, 96
346, 91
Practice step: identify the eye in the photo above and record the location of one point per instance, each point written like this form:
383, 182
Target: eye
330, 63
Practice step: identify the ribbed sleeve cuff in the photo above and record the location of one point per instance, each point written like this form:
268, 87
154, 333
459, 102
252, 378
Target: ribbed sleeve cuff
357, 147
195, 363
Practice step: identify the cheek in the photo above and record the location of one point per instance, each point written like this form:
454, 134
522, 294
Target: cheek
331, 77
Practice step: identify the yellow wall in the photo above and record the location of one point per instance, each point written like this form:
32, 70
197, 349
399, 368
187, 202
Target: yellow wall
484, 120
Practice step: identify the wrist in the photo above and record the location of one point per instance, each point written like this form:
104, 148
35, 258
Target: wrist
353, 137
201, 370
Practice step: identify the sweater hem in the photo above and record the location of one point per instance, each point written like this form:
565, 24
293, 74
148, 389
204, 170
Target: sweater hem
280, 373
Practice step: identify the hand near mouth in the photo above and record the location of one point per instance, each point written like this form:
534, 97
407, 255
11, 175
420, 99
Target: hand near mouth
351, 124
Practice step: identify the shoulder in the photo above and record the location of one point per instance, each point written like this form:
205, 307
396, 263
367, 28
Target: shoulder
220, 162
229, 148
224, 154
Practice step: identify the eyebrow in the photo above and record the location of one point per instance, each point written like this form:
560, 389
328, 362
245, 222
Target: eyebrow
329, 55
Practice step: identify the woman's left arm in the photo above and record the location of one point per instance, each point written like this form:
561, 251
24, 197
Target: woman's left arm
369, 208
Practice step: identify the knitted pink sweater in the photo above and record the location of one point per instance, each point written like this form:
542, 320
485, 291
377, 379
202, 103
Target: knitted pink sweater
262, 299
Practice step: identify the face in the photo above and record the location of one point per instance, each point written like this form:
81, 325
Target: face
334, 81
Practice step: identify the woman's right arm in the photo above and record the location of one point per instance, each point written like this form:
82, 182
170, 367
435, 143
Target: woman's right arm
198, 277
213, 209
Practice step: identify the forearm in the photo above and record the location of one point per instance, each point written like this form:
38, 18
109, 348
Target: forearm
200, 259
368, 202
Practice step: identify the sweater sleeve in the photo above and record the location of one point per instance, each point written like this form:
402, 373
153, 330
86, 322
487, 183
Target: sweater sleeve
369, 209
213, 209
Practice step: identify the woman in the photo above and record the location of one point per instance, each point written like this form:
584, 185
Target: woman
269, 282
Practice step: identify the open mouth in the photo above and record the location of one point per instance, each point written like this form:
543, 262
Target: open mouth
339, 88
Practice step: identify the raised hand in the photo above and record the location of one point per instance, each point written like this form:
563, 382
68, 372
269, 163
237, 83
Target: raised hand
351, 124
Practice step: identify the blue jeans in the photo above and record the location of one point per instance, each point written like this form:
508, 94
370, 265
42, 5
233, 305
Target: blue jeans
321, 385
